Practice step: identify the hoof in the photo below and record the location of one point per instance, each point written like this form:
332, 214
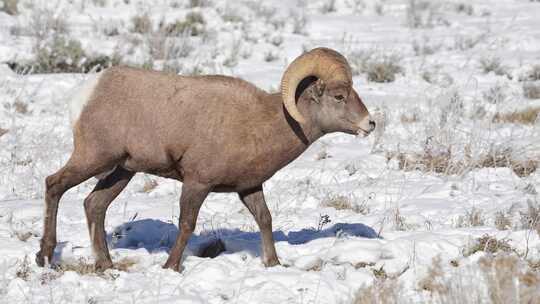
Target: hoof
175, 267
42, 260
101, 266
271, 263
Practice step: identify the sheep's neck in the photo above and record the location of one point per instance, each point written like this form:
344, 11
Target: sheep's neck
294, 136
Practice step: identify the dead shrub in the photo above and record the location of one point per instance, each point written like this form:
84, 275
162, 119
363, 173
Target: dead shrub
505, 158
24, 236
9, 7
492, 64
358, 59
409, 117
533, 74
199, 3
472, 218
57, 55
496, 94
384, 68
23, 269
423, 14
400, 222
530, 219
55, 51
149, 185
299, 22
381, 292
3, 132
44, 23
465, 42
425, 46
163, 47
509, 280
443, 162
341, 202
434, 280
85, 267
193, 24
503, 278
329, 6
531, 89
338, 202
503, 220
141, 24
488, 244
466, 9
426, 162
20, 107
526, 116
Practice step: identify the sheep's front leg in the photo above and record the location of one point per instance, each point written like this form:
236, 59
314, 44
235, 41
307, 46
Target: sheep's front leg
254, 201
191, 200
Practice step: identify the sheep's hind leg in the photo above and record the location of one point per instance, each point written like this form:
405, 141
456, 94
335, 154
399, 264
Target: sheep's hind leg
191, 200
76, 171
95, 207
254, 201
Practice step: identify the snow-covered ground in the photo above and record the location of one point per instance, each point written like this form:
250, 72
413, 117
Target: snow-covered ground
350, 212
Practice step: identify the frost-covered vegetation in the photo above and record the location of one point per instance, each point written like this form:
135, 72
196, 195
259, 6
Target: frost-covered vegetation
440, 204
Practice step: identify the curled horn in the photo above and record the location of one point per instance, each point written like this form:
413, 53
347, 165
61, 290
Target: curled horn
323, 63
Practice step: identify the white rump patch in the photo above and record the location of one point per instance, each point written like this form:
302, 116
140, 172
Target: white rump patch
81, 95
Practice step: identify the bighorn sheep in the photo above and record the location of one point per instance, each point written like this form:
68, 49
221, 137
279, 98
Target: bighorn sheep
213, 133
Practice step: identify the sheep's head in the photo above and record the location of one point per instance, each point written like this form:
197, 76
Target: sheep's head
334, 104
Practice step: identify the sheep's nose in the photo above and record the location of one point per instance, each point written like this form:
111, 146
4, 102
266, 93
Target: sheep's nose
371, 125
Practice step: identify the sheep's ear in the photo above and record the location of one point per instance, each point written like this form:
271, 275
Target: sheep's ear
320, 86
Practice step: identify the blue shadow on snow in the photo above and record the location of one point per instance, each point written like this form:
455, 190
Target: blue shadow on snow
155, 235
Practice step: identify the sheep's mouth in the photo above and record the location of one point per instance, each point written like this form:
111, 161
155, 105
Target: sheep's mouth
362, 132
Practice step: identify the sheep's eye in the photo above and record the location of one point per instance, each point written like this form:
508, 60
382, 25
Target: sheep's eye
339, 97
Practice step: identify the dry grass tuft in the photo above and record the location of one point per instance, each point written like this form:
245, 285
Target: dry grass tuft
338, 202
489, 244
472, 218
149, 185
526, 116
530, 219
407, 118
503, 220
125, 264
444, 163
505, 158
399, 221
20, 107
434, 280
509, 281
24, 236
23, 270
341, 202
495, 279
381, 292
84, 267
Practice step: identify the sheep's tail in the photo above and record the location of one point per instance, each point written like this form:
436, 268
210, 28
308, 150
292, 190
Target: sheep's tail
80, 95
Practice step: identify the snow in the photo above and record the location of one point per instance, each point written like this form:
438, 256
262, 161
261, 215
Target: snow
399, 221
